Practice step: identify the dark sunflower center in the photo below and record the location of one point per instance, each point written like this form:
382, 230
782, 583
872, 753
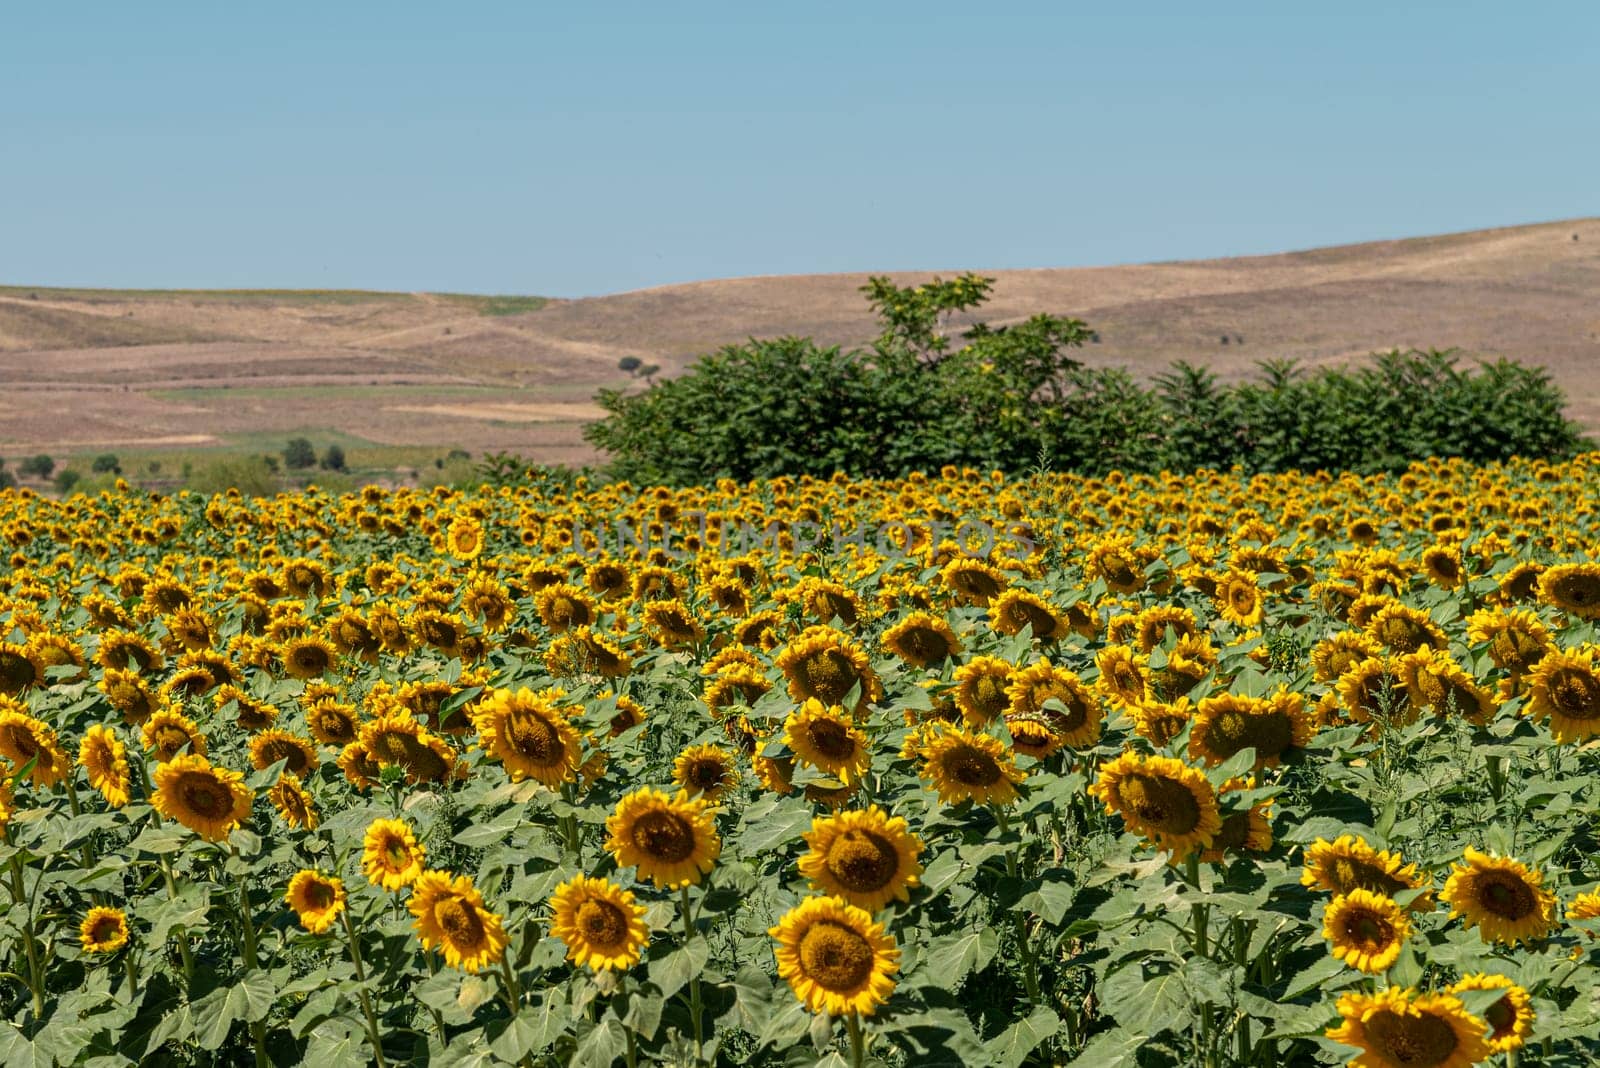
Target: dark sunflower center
1025, 613
105, 929
22, 740
1401, 634
171, 739
389, 746
1163, 803
1242, 597
533, 736
831, 739
1576, 693
602, 923
205, 796
972, 767
1578, 590
664, 836
1235, 831
1418, 1041
319, 895
460, 922
1501, 1017
925, 643
1233, 730
989, 695
835, 957
862, 861
396, 857
828, 674
1506, 896
1350, 874
976, 584
1368, 930
707, 775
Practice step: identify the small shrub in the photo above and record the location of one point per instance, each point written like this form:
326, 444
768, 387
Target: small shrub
299, 454
333, 459
39, 466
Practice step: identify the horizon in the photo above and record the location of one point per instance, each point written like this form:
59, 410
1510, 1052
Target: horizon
569, 153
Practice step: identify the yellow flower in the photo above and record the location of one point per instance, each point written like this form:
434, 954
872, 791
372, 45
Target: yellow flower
922, 639
966, 766
1348, 863
825, 664
527, 733
270, 746
1397, 1028
465, 538
1510, 1019
1162, 799
1367, 930
671, 840
601, 924
1565, 689
706, 771
208, 800
390, 855
24, 738
1229, 723
1076, 723
864, 857
1503, 898
981, 686
105, 761
308, 657
451, 917
317, 899
293, 802
835, 958
104, 930
1573, 588
827, 740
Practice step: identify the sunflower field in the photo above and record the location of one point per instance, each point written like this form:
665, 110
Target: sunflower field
1212, 769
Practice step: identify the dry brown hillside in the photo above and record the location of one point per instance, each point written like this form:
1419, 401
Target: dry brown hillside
98, 370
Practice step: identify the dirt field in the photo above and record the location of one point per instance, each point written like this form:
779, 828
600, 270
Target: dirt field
90, 371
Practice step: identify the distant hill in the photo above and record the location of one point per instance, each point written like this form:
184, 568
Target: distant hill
103, 370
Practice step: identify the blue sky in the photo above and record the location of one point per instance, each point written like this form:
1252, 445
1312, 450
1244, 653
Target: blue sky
586, 148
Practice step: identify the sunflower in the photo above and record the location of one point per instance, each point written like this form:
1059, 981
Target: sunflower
735, 686
1565, 688
317, 899
208, 800
1367, 930
973, 581
359, 768
1016, 609
922, 639
450, 916
1238, 598
1375, 690
1348, 863
250, 713
465, 538
352, 635
836, 958
1503, 898
706, 771
390, 855
126, 651
24, 738
608, 578
270, 746
1162, 799
1228, 723
824, 738
1156, 622
1244, 830
1122, 682
671, 840
1397, 1028
308, 657
1162, 721
17, 669
129, 694
825, 664
584, 649
562, 605
964, 765
1332, 657
1510, 1019
1573, 588
1075, 723
600, 922
293, 802
981, 686
1517, 639
333, 722
1435, 681
105, 762
104, 930
1119, 563
864, 857
528, 734
1403, 629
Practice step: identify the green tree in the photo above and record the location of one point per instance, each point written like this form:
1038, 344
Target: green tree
333, 459
39, 466
299, 454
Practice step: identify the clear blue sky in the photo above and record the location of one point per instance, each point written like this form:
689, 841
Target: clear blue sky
584, 148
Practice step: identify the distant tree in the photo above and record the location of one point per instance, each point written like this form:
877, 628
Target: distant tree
106, 461
66, 479
458, 454
40, 465
298, 454
333, 459
629, 364
271, 462
7, 479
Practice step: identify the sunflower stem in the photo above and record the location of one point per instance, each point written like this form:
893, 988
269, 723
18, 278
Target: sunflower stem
20, 896
247, 926
366, 1002
1201, 912
858, 1047
183, 943
694, 980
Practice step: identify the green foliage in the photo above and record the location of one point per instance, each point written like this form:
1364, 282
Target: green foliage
250, 475
1007, 395
106, 462
333, 459
39, 466
67, 478
299, 454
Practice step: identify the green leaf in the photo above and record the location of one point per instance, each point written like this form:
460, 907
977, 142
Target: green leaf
1051, 900
601, 1046
1012, 1046
1315, 977
673, 971
951, 959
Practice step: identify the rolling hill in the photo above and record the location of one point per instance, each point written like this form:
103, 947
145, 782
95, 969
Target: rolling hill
89, 371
